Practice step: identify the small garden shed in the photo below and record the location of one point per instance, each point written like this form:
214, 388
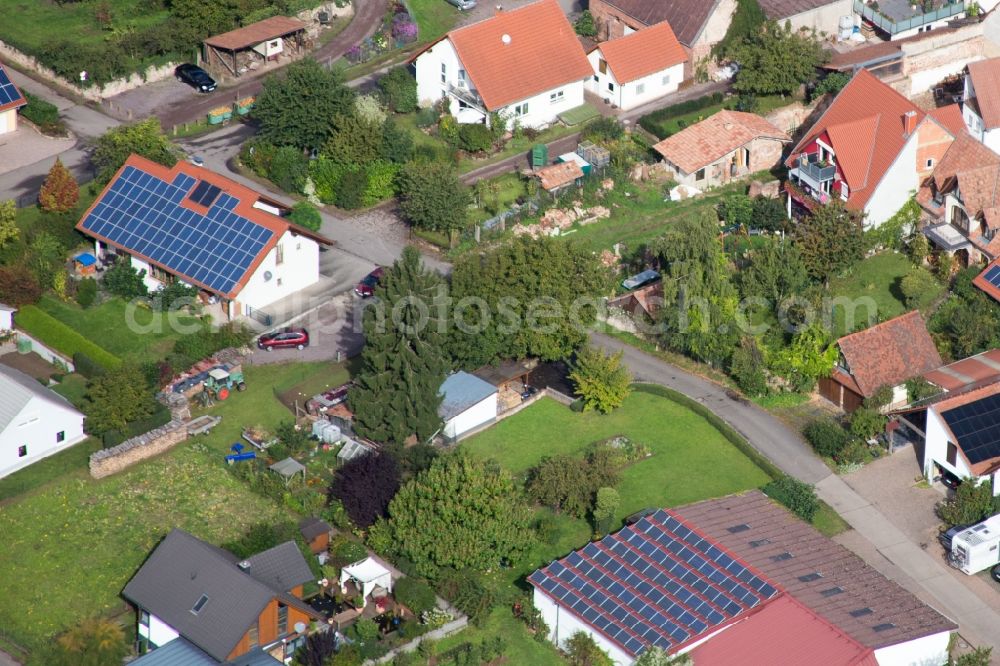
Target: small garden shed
247, 48
288, 469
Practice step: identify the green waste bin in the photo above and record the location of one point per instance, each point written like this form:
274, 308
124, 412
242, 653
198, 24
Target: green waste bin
539, 155
23, 346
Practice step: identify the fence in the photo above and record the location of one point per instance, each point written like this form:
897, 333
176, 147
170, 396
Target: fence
880, 20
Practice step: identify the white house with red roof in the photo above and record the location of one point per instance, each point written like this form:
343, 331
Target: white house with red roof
526, 64
11, 100
981, 101
639, 67
186, 223
871, 149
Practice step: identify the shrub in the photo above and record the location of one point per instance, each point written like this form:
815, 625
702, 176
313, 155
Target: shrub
43, 114
59, 192
746, 366
475, 138
971, 503
415, 594
86, 366
602, 382
737, 209
326, 175
18, 287
369, 109
305, 215
86, 292
124, 280
880, 398
345, 550
427, 117
605, 129
867, 422
380, 180
465, 589
799, 497
399, 90
351, 193
585, 26
366, 629
826, 437
257, 155
52, 332
289, 169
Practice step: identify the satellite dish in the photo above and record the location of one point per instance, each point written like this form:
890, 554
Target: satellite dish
267, 276
300, 627
505, 38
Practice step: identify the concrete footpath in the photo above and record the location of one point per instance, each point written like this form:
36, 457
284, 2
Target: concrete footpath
911, 567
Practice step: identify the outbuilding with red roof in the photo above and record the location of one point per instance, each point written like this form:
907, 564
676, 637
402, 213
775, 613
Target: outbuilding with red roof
637, 68
527, 64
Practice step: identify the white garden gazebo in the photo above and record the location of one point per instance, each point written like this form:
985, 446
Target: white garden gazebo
369, 576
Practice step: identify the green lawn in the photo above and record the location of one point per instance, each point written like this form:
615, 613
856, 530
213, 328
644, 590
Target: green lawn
521, 646
829, 521
433, 17
75, 542
876, 280
73, 387
510, 186
132, 333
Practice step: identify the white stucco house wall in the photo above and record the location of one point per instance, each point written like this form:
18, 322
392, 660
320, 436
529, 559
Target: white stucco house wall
638, 68
6, 318
194, 226
525, 64
981, 102
467, 403
35, 422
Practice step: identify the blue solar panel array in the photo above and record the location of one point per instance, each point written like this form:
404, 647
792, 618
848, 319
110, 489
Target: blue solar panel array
992, 275
653, 583
976, 426
8, 91
143, 215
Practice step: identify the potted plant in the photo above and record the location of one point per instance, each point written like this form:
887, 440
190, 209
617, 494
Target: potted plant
358, 602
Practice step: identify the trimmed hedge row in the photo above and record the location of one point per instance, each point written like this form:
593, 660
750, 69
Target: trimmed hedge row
727, 430
52, 332
652, 122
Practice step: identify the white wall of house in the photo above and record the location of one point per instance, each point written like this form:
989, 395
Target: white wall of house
936, 25
936, 451
440, 66
635, 93
931, 649
159, 633
152, 284
482, 412
42, 427
8, 121
6, 318
563, 623
298, 269
897, 186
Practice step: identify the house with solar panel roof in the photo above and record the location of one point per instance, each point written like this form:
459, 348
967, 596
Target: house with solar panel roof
735, 581
11, 100
186, 223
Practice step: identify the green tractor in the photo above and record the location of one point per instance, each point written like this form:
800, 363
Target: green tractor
220, 383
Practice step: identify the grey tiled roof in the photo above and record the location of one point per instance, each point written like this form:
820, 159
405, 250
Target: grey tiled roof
16, 391
280, 568
183, 568
177, 652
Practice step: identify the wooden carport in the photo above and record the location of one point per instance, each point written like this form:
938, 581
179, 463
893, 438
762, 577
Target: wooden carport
271, 33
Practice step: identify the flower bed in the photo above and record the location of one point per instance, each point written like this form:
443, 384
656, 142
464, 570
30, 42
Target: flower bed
397, 30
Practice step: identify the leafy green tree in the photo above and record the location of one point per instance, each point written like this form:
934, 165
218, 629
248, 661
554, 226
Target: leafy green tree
747, 367
45, 258
305, 215
945, 266
583, 650
776, 60
125, 280
798, 496
115, 399
144, 138
92, 642
768, 214
810, 355
202, 18
826, 436
369, 109
18, 286
397, 143
972, 503
86, 292
399, 90
569, 483
918, 249
775, 271
289, 169
415, 594
402, 364
915, 286
605, 507
981, 656
831, 84
8, 223
59, 192
601, 381
431, 196
880, 397
654, 655
299, 108
867, 422
354, 140
462, 512
736, 208
746, 22
366, 630
539, 298
919, 388
585, 26
829, 240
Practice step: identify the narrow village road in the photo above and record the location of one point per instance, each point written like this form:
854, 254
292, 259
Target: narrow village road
912, 567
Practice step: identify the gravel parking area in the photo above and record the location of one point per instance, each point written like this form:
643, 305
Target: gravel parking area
893, 485
332, 331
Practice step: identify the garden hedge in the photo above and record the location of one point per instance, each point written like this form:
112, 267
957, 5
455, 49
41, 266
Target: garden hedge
60, 337
727, 430
653, 122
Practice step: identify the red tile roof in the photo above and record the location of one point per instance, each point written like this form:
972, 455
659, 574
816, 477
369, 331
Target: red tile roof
540, 52
558, 175
968, 371
715, 137
950, 118
865, 126
985, 76
783, 632
245, 208
773, 531
687, 17
889, 353
642, 53
255, 33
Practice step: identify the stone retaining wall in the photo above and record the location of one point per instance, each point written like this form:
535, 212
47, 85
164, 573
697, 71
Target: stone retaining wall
111, 461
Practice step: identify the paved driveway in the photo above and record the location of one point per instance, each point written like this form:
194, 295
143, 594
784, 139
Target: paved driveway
334, 334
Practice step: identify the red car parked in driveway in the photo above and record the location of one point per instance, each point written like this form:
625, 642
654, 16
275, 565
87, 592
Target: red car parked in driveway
366, 288
289, 337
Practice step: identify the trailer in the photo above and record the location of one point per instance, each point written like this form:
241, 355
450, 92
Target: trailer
977, 547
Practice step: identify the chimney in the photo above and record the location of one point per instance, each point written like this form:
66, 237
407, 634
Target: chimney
498, 10
727, 126
909, 122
